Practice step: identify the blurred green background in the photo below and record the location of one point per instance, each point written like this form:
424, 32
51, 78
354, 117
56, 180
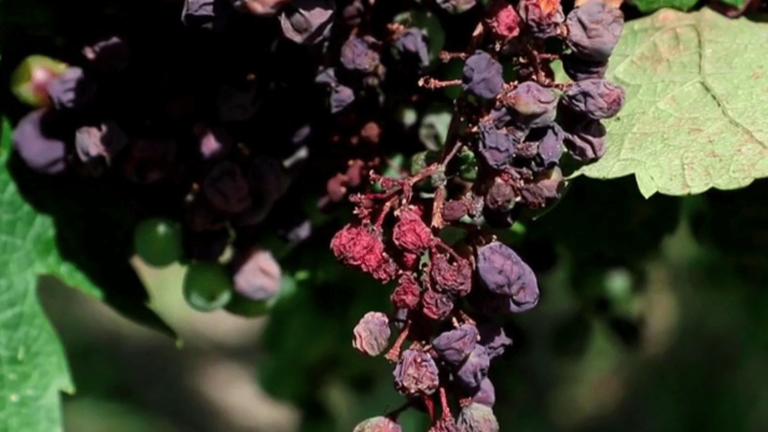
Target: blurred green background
654, 317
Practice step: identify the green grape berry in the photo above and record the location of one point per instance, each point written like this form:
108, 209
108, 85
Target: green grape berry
207, 286
158, 242
29, 79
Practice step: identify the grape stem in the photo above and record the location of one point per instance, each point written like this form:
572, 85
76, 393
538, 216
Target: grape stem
393, 354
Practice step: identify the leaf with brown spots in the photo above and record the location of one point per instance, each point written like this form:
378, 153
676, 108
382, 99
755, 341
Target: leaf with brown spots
697, 104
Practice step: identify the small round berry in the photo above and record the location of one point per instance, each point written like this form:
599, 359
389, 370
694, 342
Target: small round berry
158, 242
372, 334
207, 286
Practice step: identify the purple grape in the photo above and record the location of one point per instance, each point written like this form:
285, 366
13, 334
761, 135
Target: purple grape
454, 346
307, 21
595, 98
482, 76
504, 273
70, 89
474, 370
493, 338
486, 395
542, 17
416, 373
501, 196
372, 334
531, 105
594, 29
341, 97
226, 189
413, 44
257, 276
237, 105
550, 148
544, 189
36, 144
586, 140
477, 418
358, 54
268, 178
497, 146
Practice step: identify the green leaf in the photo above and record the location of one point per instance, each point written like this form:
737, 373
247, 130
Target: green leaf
697, 93
34, 368
648, 6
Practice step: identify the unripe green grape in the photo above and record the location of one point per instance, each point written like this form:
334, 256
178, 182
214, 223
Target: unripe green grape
29, 79
207, 286
158, 242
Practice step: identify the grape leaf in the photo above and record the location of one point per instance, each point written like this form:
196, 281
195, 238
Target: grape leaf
697, 93
33, 368
648, 6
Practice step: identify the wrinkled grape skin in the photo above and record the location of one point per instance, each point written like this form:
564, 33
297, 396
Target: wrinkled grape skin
595, 98
69, 89
474, 369
41, 151
493, 338
477, 418
416, 373
531, 105
504, 273
594, 28
454, 346
307, 21
542, 17
413, 44
358, 54
497, 146
372, 333
456, 6
586, 140
550, 148
482, 76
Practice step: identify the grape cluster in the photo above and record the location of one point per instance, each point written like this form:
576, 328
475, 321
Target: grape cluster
449, 299
218, 140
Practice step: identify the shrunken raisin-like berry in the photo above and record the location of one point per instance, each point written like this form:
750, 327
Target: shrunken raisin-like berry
378, 424
594, 29
455, 345
482, 76
504, 22
486, 395
493, 338
474, 369
436, 305
411, 233
416, 373
372, 334
362, 248
454, 278
595, 98
503, 272
406, 294
477, 418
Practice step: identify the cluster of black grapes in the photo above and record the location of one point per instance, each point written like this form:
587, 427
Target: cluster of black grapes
217, 126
